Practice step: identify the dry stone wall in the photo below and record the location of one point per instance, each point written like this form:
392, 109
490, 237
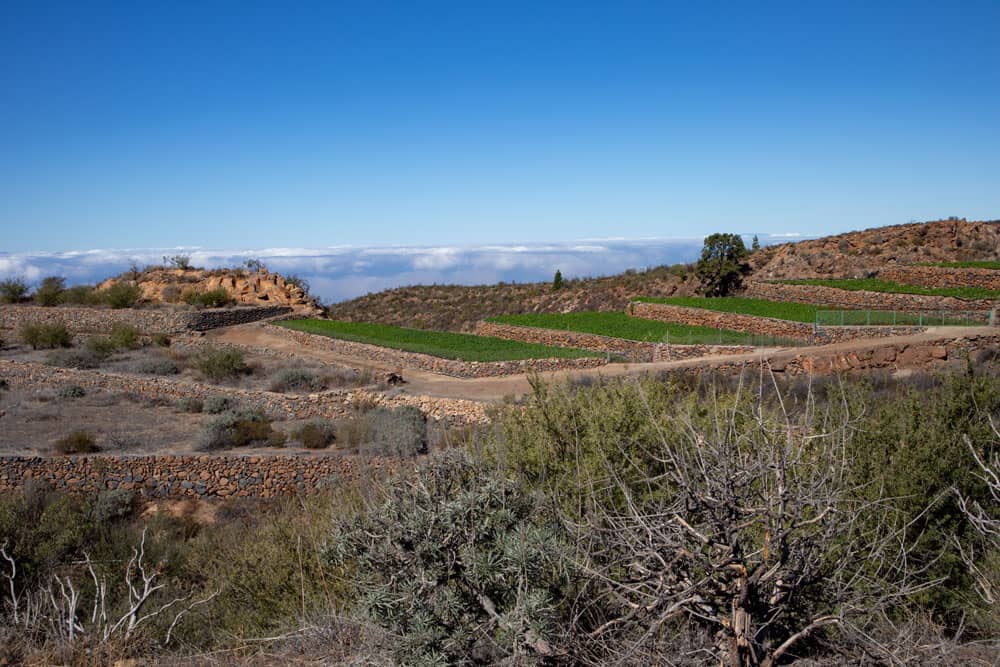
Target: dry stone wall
831, 297
188, 476
941, 276
147, 320
632, 350
329, 404
452, 367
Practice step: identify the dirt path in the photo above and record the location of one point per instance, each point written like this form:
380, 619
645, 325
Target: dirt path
423, 383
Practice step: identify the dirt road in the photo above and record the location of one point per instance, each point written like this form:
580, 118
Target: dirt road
423, 383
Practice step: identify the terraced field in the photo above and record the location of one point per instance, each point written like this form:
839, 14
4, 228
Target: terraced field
875, 285
994, 266
782, 310
620, 325
447, 345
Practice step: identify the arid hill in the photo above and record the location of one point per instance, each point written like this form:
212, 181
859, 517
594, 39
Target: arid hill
859, 254
458, 308
258, 288
852, 254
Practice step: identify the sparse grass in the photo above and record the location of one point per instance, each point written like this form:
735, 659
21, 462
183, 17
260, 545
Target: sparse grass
447, 345
782, 310
876, 285
991, 265
620, 325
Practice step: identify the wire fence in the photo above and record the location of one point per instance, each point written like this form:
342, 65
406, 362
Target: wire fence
888, 318
732, 338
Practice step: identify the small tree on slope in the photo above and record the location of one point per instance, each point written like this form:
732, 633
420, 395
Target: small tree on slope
722, 264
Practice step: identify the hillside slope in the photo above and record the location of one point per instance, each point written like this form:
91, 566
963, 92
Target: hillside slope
849, 255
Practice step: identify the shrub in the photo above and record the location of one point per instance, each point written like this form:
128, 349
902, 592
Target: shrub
77, 442
161, 340
80, 359
399, 432
156, 367
182, 262
239, 428
13, 290
124, 336
218, 365
215, 298
71, 391
297, 281
317, 434
122, 294
296, 379
46, 336
189, 404
113, 504
49, 293
354, 431
218, 404
100, 346
80, 294
459, 562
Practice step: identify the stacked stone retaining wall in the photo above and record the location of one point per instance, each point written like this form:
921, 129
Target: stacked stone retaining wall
329, 404
941, 276
187, 476
451, 367
831, 297
632, 350
146, 320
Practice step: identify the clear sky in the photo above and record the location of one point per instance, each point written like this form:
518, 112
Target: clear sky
300, 124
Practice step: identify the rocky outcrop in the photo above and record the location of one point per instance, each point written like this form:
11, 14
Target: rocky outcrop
258, 288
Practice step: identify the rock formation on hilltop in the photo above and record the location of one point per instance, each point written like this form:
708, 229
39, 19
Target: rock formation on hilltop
860, 254
257, 288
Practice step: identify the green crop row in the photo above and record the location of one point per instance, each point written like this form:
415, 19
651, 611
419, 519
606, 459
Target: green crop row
876, 285
782, 310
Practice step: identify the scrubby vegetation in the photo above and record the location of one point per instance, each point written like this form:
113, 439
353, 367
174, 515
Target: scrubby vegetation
45, 336
876, 285
239, 428
296, 379
216, 298
437, 343
316, 434
718, 520
122, 294
77, 442
13, 290
221, 364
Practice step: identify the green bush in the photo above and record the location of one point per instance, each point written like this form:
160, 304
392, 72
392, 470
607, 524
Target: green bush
122, 294
13, 290
217, 404
45, 336
77, 442
460, 566
239, 428
223, 364
71, 391
216, 298
84, 295
50, 292
296, 379
124, 336
161, 340
354, 431
113, 504
317, 434
101, 346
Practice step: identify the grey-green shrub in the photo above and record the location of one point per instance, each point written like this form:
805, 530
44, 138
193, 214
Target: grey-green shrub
71, 391
124, 336
400, 432
296, 379
122, 294
239, 428
13, 290
218, 365
316, 434
49, 293
216, 298
433, 558
189, 404
113, 504
80, 359
156, 367
214, 405
102, 346
84, 295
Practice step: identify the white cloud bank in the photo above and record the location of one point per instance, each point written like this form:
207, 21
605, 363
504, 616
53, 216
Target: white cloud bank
344, 272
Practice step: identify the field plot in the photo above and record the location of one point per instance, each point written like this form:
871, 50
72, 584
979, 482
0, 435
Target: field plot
985, 264
620, 325
464, 347
875, 285
781, 310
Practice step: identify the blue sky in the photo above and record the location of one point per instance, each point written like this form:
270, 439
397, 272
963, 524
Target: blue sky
235, 125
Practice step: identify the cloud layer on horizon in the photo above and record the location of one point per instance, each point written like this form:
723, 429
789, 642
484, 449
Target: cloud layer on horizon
337, 273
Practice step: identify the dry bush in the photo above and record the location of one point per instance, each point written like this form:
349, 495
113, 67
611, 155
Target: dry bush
77, 442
